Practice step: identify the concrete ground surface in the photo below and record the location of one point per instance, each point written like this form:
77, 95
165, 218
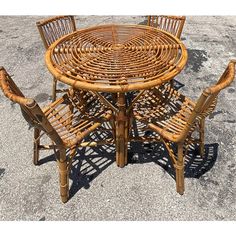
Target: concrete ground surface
145, 188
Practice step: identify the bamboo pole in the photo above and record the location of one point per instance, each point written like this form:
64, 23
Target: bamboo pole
36, 146
179, 168
121, 131
63, 175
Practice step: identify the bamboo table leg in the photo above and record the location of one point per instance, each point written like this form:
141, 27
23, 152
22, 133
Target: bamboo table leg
121, 131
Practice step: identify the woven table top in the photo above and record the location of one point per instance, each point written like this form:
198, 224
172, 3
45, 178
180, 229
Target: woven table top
116, 58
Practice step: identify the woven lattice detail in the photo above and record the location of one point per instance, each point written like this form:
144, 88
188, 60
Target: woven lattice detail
54, 28
116, 58
165, 107
171, 24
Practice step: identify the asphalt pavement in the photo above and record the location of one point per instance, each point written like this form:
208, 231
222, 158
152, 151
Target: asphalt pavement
145, 188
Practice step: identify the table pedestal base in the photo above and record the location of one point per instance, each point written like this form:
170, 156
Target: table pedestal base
122, 131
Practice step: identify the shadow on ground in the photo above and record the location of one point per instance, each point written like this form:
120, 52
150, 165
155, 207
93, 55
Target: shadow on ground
91, 162
2, 172
195, 165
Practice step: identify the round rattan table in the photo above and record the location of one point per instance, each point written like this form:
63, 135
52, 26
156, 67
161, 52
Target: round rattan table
117, 59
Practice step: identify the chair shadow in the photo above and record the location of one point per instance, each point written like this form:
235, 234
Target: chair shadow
195, 165
87, 164
47, 159
90, 162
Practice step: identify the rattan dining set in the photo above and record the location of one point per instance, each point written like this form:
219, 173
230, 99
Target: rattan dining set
116, 75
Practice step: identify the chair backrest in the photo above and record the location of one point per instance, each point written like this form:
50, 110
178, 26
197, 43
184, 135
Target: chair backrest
54, 28
171, 24
29, 107
208, 99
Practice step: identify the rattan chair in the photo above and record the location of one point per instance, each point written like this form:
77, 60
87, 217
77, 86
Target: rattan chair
175, 117
171, 24
67, 121
52, 29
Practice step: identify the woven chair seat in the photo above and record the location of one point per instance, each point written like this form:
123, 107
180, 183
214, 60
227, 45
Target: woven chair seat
73, 118
165, 110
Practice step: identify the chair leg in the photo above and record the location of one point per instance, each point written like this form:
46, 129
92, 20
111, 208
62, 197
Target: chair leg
36, 146
202, 137
54, 87
179, 169
72, 154
63, 175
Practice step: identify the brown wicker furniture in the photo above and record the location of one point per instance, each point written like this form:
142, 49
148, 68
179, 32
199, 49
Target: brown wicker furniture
171, 24
117, 59
52, 29
174, 117
67, 121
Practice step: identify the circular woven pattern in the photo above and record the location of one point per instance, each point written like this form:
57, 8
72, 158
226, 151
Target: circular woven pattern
116, 58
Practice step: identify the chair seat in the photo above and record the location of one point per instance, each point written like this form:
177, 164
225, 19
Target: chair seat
74, 118
164, 110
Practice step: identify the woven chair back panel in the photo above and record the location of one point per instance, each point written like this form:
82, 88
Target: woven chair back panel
170, 24
55, 29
